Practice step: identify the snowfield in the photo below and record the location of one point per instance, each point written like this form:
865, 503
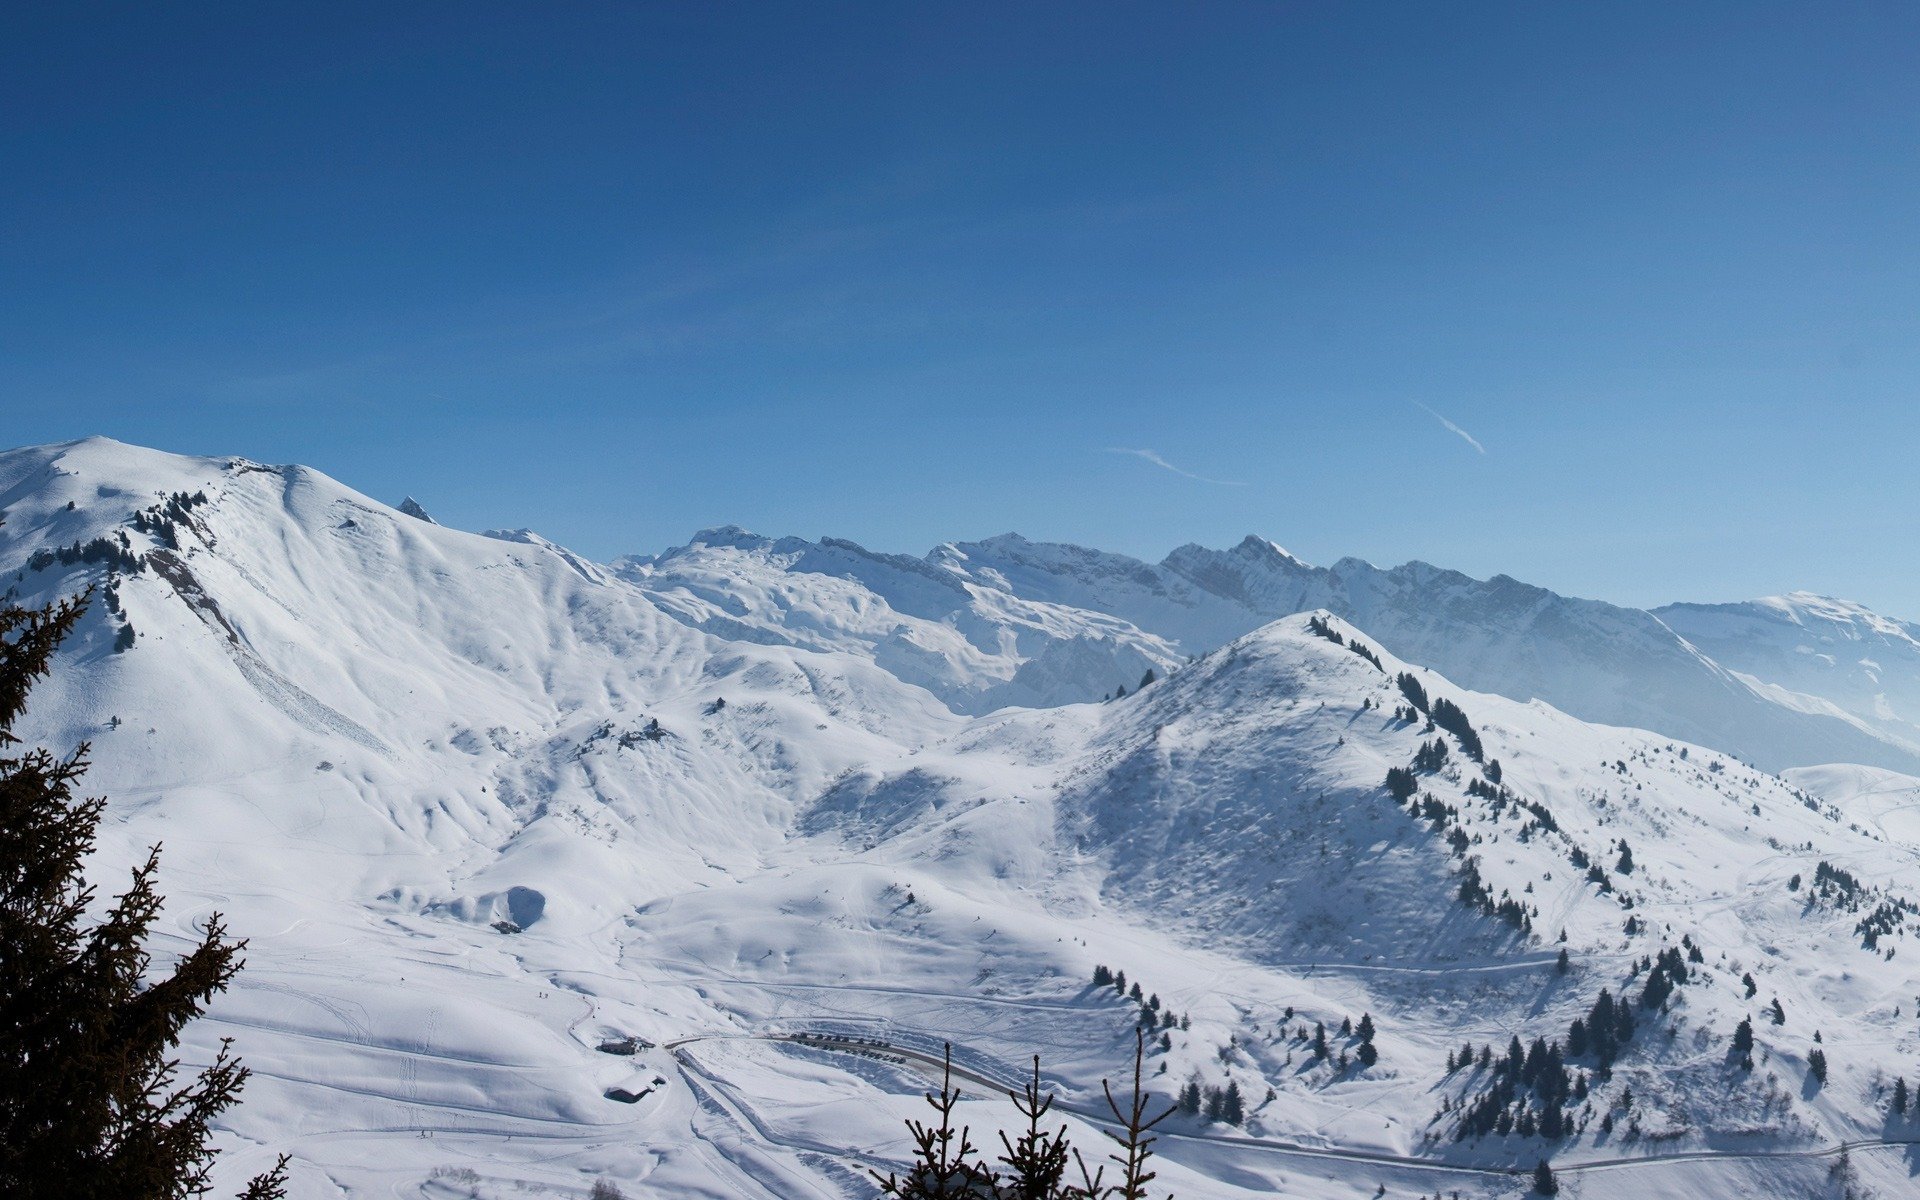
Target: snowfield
680, 871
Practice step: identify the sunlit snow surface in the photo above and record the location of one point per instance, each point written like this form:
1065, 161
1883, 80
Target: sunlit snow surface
366, 739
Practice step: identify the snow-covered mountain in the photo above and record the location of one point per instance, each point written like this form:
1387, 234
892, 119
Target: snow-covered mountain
1802, 645
482, 806
977, 647
1009, 621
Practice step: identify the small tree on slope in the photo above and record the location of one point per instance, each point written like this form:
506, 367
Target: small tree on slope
946, 1165
91, 1104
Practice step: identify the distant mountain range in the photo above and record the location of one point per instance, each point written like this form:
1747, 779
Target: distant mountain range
1782, 682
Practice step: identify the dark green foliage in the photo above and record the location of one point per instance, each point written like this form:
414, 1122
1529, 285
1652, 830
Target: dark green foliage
1543, 1181
1886, 918
1564, 964
1474, 892
1431, 756
1189, 1102
1900, 1097
1324, 628
1411, 689
113, 552
1146, 679
1743, 1037
1527, 1094
1501, 797
1233, 1109
1817, 1066
1493, 770
163, 520
1668, 972
91, 1104
1401, 783
1625, 865
1101, 976
1450, 717
1036, 1161
1835, 884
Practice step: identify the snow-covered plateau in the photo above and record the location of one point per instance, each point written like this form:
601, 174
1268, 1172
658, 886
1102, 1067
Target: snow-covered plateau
677, 871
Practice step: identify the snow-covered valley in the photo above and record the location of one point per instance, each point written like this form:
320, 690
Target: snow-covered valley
775, 819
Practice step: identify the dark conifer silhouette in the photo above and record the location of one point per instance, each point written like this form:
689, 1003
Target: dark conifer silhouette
91, 1103
945, 1166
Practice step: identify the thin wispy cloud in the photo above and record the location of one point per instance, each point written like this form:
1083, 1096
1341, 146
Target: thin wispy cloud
1466, 437
1153, 457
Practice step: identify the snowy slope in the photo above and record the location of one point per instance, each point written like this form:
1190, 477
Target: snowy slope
978, 648
1238, 806
368, 739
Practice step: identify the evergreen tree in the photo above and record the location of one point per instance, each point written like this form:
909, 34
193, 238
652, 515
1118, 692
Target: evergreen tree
1817, 1066
1743, 1037
1625, 865
90, 1100
1134, 1142
1900, 1097
1233, 1109
944, 1163
1319, 1041
1365, 1028
1564, 964
1036, 1161
1543, 1181
1189, 1102
1146, 679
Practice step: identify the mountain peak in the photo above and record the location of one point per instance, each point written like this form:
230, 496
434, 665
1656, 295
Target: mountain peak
413, 508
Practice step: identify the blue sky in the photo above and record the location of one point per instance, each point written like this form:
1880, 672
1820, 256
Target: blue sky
910, 273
